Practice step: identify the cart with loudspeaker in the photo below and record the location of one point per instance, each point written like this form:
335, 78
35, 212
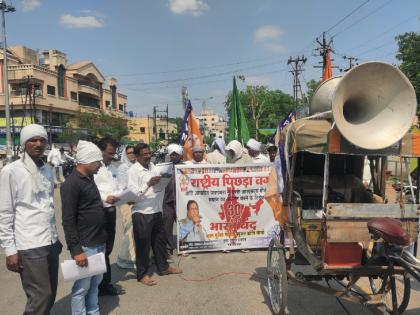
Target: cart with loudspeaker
339, 217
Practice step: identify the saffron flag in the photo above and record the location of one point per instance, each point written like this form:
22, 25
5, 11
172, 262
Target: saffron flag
238, 127
328, 69
275, 184
190, 134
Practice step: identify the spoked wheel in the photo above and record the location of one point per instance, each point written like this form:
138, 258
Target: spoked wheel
382, 285
277, 277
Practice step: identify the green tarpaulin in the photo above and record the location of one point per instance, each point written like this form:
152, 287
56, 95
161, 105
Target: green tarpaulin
266, 131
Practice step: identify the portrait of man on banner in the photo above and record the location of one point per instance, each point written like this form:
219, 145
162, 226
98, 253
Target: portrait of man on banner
191, 228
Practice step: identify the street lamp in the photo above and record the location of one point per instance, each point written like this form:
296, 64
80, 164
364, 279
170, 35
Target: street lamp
184, 93
6, 8
203, 101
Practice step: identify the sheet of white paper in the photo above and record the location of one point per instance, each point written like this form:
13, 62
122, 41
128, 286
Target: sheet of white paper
72, 272
163, 182
125, 197
163, 169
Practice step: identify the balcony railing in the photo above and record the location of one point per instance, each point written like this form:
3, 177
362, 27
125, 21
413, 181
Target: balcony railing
89, 90
17, 72
31, 68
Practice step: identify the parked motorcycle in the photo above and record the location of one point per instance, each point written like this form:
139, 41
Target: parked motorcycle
68, 167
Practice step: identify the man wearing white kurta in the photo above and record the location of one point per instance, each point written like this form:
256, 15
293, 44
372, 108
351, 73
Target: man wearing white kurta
254, 151
27, 222
197, 156
218, 155
107, 182
57, 159
236, 154
148, 226
127, 255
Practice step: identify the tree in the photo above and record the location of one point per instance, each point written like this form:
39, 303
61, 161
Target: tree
409, 55
312, 86
92, 126
173, 137
264, 108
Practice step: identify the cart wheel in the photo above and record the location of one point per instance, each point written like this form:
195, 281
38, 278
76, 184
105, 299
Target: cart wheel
277, 277
382, 285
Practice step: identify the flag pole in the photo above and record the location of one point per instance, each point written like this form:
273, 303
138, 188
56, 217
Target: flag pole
6, 8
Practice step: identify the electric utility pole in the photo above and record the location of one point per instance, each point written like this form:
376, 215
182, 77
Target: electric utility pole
154, 124
296, 65
6, 8
155, 117
324, 47
352, 63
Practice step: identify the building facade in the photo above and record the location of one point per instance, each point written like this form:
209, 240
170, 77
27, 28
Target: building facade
147, 129
45, 89
212, 124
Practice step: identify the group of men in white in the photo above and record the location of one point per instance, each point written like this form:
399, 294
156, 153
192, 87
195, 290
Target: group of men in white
253, 152
89, 199
57, 158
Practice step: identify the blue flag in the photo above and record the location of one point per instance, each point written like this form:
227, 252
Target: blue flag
185, 124
290, 117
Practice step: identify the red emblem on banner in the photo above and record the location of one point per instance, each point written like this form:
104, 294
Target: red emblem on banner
236, 214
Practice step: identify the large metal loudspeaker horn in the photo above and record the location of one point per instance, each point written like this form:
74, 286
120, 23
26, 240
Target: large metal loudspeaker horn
373, 104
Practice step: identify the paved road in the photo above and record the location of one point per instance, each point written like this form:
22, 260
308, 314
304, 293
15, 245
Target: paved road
215, 283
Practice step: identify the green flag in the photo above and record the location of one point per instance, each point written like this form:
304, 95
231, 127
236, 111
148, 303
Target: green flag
238, 128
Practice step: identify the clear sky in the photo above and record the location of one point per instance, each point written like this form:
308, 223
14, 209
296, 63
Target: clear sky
155, 47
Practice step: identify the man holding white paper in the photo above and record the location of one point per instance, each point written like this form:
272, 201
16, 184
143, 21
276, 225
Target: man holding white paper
107, 181
84, 224
148, 225
72, 272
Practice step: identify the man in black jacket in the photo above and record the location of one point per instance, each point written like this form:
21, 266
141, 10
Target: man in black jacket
84, 224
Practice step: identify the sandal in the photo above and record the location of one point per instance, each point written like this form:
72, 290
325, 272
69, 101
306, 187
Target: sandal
171, 271
147, 280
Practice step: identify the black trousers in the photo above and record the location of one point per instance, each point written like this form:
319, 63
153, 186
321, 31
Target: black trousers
110, 218
169, 218
39, 277
149, 231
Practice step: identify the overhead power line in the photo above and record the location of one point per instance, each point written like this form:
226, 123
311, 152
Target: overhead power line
125, 85
382, 56
198, 83
166, 84
363, 18
345, 17
195, 68
389, 54
376, 48
386, 32
204, 76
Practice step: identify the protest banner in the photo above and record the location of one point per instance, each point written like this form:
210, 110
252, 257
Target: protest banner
222, 207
